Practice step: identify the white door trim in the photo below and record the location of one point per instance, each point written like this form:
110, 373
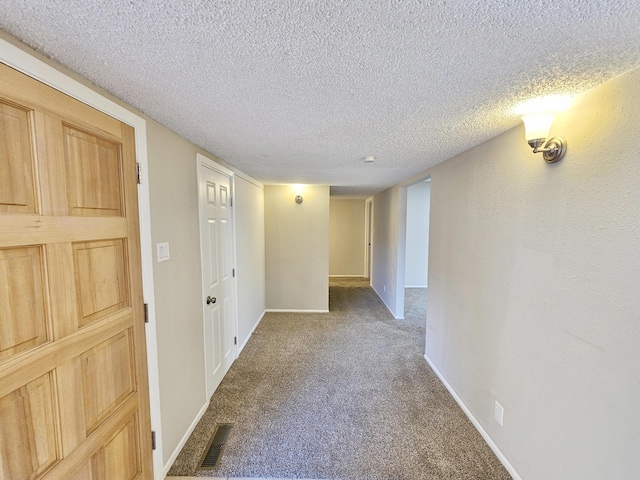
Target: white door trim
22, 61
368, 240
209, 163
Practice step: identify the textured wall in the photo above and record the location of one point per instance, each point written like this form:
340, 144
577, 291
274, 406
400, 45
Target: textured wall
533, 289
417, 240
386, 235
297, 248
346, 237
177, 282
250, 266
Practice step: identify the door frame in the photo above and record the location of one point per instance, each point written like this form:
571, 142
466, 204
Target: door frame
209, 163
402, 244
368, 240
24, 62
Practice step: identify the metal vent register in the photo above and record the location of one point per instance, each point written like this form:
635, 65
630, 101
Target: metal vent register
216, 446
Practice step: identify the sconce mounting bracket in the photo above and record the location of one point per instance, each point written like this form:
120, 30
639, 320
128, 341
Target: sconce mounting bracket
554, 149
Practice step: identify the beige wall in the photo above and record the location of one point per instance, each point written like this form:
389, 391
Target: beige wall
533, 289
387, 277
297, 248
250, 266
177, 282
417, 239
346, 237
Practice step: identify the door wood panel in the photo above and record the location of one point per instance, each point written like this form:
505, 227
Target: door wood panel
101, 272
118, 458
93, 173
107, 378
118, 450
24, 90
29, 444
16, 161
24, 322
73, 382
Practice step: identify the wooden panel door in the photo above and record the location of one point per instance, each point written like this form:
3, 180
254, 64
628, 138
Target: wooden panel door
74, 398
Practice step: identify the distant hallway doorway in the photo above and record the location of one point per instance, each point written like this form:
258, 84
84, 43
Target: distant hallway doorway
416, 265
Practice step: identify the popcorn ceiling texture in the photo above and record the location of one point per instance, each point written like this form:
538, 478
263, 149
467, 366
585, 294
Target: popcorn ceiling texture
292, 91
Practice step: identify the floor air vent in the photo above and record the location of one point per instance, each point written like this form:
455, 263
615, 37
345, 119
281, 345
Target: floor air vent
216, 446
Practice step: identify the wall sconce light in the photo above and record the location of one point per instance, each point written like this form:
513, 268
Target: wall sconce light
298, 189
538, 115
536, 130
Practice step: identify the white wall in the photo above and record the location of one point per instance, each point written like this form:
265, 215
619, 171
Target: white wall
388, 230
533, 278
250, 266
346, 237
417, 241
297, 248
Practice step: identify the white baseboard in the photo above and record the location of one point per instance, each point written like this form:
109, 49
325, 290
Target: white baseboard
347, 276
415, 286
385, 304
476, 423
251, 332
286, 310
185, 437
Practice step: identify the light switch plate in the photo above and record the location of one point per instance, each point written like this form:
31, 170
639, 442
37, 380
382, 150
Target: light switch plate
163, 252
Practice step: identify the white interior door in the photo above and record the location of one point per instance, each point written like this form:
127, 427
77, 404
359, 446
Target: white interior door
215, 185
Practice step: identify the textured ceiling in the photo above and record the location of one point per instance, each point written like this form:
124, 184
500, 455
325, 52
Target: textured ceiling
300, 91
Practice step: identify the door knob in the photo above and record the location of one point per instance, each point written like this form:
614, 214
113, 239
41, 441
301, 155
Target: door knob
211, 300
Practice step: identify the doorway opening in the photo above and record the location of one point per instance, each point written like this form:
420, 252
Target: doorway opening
416, 253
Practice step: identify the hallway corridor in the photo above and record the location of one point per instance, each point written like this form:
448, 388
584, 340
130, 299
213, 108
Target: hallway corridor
340, 395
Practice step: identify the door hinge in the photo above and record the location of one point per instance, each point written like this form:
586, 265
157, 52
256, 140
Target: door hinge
235, 340
153, 440
146, 313
231, 201
138, 173
233, 272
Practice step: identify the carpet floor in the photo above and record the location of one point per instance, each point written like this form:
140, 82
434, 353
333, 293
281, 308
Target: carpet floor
415, 313
340, 395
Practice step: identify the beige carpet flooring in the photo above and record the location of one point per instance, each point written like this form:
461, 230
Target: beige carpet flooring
415, 312
341, 395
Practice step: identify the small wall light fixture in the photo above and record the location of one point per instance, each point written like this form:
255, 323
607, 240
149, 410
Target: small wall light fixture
298, 189
538, 115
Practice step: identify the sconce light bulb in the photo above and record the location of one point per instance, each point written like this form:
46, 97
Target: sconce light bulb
537, 116
537, 126
298, 189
